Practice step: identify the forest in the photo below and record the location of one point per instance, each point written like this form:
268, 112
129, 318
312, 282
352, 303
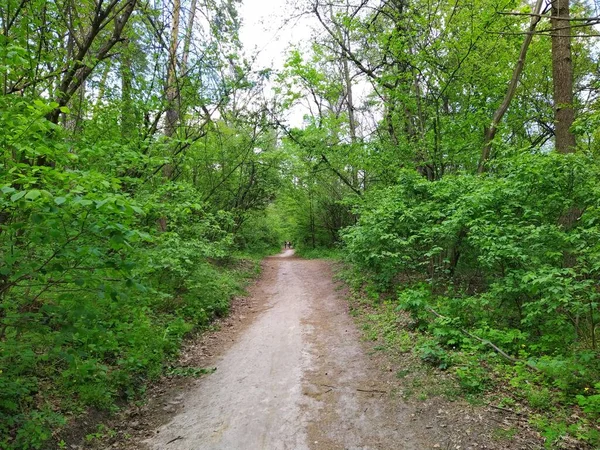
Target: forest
449, 155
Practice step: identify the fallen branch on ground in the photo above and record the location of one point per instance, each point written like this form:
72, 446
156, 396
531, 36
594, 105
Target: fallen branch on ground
486, 342
372, 390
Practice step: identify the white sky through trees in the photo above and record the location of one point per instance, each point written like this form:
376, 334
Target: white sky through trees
269, 28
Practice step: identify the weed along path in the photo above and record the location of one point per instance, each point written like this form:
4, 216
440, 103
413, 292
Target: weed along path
296, 378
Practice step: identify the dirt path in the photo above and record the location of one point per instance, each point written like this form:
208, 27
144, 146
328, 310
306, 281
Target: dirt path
295, 378
293, 373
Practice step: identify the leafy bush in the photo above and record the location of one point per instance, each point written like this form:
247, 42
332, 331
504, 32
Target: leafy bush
434, 355
591, 403
511, 257
93, 299
473, 378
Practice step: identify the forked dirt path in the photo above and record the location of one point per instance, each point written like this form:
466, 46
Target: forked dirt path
296, 378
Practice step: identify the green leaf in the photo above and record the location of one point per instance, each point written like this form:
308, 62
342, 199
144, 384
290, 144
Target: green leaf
33, 194
101, 203
18, 196
60, 200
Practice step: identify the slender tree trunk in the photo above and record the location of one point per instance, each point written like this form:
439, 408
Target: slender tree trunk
562, 74
490, 132
72, 121
172, 95
188, 37
102, 86
126, 88
349, 99
351, 115
389, 121
342, 36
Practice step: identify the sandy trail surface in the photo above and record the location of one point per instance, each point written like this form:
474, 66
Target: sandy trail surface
296, 377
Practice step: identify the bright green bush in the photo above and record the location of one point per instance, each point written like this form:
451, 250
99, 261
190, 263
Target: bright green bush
93, 298
512, 257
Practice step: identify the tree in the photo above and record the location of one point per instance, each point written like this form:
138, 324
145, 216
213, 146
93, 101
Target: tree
562, 74
490, 131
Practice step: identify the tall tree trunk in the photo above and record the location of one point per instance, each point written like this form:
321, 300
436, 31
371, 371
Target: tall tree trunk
102, 86
343, 37
350, 108
172, 95
126, 88
349, 99
490, 132
562, 74
188, 37
564, 113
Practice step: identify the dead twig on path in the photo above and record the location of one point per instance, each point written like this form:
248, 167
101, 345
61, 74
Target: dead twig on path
173, 440
376, 391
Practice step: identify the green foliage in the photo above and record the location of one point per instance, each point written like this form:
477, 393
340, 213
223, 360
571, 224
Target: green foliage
473, 378
434, 355
261, 232
500, 244
121, 231
319, 253
590, 403
510, 258
93, 298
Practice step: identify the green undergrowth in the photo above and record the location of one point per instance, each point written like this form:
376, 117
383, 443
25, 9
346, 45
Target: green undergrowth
413, 358
95, 301
433, 357
107, 355
498, 274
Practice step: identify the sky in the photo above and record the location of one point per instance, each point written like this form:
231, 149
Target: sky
269, 28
